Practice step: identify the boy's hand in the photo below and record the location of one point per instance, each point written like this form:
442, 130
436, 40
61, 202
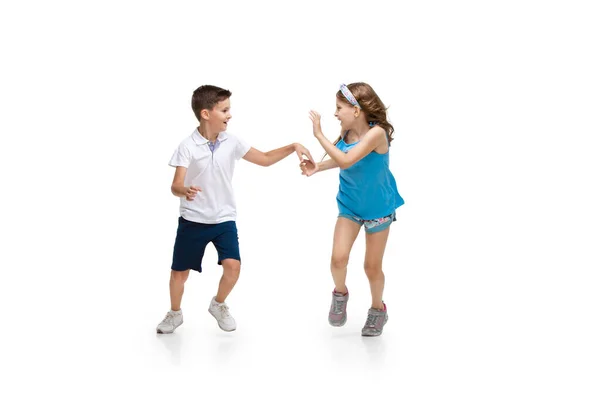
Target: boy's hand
309, 167
315, 117
302, 151
190, 192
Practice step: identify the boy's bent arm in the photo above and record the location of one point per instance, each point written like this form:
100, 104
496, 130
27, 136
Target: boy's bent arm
271, 157
177, 187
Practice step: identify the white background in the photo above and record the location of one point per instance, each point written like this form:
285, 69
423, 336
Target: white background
492, 268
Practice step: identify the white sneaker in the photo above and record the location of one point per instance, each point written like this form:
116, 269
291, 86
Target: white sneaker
172, 320
221, 313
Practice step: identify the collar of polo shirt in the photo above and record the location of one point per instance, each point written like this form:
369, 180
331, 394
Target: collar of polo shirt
199, 139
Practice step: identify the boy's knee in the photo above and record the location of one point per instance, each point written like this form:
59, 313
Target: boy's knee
179, 276
231, 265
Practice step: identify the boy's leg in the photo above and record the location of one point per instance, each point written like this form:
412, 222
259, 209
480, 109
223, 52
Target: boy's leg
231, 273
218, 308
227, 245
228, 249
174, 317
344, 235
187, 254
176, 285
188, 251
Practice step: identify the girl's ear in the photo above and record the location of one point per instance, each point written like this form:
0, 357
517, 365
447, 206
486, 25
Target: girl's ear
356, 111
204, 114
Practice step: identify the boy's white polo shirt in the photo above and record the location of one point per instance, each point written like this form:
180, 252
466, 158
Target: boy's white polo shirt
212, 172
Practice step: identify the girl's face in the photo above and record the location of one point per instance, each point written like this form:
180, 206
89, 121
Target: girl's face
344, 112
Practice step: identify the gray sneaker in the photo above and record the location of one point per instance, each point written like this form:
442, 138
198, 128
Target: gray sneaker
376, 319
337, 311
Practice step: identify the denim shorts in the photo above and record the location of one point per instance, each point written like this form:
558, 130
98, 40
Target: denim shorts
192, 238
372, 225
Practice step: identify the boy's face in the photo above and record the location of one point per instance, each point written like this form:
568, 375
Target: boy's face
218, 117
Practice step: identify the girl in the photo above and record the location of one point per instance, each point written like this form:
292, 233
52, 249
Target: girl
367, 194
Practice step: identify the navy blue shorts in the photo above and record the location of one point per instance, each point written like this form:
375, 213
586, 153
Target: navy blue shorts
192, 238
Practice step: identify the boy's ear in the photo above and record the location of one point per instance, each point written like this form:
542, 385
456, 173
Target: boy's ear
204, 114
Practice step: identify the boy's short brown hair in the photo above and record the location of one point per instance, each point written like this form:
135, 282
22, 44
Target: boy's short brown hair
206, 97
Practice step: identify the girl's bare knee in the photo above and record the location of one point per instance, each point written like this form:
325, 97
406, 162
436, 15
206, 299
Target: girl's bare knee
373, 269
339, 261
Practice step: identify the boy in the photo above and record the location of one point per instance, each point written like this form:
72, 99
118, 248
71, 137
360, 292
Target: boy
204, 165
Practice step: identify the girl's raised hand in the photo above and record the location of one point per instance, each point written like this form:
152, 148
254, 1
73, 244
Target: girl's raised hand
315, 117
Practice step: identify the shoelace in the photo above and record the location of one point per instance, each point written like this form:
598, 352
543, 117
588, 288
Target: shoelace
371, 320
224, 311
168, 318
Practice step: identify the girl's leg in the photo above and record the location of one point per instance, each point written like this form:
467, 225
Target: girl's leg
344, 235
176, 284
375, 248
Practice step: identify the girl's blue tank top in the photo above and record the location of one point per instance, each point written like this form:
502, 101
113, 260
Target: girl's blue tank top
368, 188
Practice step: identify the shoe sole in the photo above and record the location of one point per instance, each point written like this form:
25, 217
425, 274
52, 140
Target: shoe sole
371, 334
166, 333
225, 330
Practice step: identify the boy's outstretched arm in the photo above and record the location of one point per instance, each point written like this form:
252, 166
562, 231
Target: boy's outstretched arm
271, 157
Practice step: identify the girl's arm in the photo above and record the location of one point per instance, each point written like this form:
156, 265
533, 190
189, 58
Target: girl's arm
345, 160
310, 168
327, 164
